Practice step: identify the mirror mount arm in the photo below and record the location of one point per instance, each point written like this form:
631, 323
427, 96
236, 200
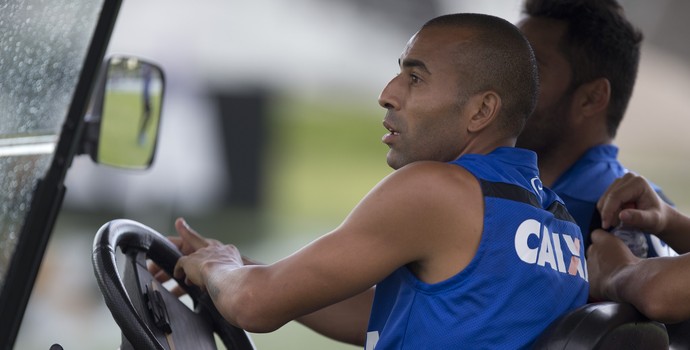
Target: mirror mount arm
89, 137
88, 140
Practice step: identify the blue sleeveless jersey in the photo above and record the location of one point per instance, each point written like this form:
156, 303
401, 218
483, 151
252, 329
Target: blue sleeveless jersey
529, 269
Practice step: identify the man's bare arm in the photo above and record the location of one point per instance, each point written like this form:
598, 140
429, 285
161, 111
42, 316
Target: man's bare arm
407, 218
345, 321
658, 287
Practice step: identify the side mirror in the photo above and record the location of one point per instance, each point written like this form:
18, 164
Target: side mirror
124, 116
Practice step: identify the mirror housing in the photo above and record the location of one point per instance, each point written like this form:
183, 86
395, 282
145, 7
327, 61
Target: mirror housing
123, 120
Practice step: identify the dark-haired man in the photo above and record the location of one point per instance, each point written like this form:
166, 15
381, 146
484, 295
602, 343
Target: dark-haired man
588, 54
460, 247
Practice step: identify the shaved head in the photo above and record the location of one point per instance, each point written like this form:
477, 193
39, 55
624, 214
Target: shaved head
496, 57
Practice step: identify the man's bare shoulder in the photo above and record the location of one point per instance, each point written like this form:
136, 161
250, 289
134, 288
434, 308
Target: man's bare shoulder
434, 212
433, 176
430, 188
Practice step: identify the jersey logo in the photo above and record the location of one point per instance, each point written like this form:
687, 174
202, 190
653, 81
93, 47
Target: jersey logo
551, 250
372, 340
537, 186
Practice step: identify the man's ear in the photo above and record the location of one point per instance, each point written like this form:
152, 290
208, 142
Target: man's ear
485, 109
593, 97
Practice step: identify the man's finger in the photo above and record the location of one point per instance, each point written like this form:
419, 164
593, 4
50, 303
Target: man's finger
177, 291
161, 276
177, 241
189, 236
598, 235
621, 194
179, 273
157, 272
640, 219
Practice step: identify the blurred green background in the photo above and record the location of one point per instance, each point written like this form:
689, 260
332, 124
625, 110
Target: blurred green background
321, 159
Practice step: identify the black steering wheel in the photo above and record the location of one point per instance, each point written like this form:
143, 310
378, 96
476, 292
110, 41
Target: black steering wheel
149, 316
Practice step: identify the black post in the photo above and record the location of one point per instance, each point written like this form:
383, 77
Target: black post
242, 119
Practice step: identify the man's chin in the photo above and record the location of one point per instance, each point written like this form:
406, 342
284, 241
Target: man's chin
393, 162
393, 166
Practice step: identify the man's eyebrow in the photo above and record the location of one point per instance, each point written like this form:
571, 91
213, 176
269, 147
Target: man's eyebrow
411, 63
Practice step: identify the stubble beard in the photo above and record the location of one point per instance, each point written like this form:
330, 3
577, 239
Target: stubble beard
545, 130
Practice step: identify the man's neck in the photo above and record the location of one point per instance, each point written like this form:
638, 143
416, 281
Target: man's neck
553, 165
551, 169
486, 146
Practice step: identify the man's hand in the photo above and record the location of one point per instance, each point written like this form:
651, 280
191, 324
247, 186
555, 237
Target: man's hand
605, 257
189, 241
186, 247
202, 256
632, 201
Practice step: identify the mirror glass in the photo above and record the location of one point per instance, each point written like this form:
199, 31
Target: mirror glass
131, 110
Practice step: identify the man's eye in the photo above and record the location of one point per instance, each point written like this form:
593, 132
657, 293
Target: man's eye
414, 79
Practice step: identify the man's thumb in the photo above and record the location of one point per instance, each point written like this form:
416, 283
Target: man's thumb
639, 219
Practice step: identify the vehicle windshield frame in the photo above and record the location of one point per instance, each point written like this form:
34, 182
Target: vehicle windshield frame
49, 191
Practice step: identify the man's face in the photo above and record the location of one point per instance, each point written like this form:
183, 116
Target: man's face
546, 127
425, 108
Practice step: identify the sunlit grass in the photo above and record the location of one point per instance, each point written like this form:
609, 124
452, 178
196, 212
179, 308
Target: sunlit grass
323, 158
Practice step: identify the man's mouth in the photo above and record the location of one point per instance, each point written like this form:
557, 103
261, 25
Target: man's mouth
392, 133
390, 128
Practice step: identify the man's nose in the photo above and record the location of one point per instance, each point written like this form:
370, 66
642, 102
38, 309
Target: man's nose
388, 98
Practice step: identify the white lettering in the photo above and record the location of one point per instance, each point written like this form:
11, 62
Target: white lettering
549, 249
527, 228
546, 251
559, 251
